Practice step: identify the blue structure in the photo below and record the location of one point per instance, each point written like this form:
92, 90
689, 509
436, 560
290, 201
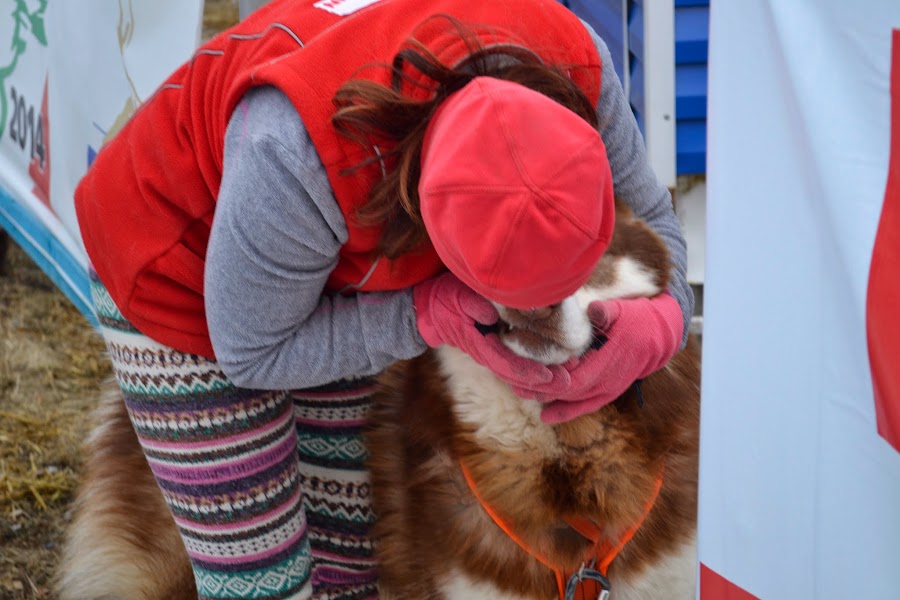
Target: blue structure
621, 31
691, 52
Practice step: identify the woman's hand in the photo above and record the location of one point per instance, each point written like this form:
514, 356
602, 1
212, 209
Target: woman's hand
642, 335
447, 312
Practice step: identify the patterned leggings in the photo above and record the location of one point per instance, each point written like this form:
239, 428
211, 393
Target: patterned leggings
268, 488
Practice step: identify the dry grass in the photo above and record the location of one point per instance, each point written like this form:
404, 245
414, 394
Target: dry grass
218, 15
51, 366
51, 362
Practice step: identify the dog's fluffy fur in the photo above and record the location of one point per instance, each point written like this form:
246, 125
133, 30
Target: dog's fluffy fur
442, 409
123, 542
435, 541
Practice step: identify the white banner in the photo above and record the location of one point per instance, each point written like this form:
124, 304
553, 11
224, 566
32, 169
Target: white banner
800, 458
71, 73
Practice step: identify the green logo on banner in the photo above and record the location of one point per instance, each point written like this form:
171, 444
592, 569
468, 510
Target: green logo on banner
27, 23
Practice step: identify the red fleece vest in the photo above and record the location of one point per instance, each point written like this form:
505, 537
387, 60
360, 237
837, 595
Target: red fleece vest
146, 205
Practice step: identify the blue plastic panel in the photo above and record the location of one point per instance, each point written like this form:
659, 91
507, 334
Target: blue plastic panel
636, 30
691, 54
607, 18
691, 34
690, 95
636, 60
690, 140
681, 3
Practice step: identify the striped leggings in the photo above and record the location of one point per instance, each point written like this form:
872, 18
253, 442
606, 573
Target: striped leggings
268, 488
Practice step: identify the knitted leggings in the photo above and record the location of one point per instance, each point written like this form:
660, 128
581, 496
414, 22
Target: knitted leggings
268, 488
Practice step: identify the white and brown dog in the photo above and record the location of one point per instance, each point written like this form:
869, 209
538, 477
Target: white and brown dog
476, 497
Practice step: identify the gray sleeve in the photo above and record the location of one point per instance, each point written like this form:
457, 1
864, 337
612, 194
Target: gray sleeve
275, 239
633, 178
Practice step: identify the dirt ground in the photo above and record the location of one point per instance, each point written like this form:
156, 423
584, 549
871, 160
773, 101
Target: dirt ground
51, 365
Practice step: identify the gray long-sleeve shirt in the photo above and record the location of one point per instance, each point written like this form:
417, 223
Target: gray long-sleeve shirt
278, 230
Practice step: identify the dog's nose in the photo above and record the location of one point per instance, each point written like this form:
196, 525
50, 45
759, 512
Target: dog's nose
532, 315
539, 314
523, 316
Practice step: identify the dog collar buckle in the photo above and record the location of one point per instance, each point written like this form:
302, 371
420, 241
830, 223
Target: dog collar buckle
588, 573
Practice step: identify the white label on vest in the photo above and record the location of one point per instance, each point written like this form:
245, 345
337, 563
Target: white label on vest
344, 7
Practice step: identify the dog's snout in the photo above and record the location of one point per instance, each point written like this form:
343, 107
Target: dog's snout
530, 315
539, 314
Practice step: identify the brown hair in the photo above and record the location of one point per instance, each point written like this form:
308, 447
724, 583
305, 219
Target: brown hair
368, 110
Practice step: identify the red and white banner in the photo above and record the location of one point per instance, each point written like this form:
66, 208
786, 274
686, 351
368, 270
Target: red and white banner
71, 73
800, 452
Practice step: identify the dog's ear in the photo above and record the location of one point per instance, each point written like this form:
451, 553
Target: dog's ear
623, 211
637, 241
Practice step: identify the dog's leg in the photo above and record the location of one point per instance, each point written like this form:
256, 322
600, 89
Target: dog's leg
123, 542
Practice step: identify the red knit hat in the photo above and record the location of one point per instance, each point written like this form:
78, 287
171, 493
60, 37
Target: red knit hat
516, 193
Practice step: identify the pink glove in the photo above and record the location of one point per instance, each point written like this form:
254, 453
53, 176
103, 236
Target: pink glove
643, 334
447, 312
